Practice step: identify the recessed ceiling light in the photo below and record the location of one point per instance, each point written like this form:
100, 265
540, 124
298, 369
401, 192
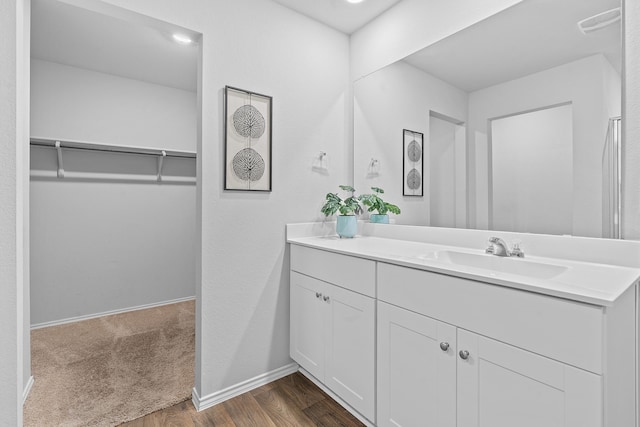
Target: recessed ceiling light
355, 1
182, 39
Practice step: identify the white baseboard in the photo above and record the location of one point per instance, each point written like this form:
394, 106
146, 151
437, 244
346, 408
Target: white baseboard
108, 313
204, 402
335, 397
27, 389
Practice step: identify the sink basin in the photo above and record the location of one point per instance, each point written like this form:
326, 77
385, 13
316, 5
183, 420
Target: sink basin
496, 264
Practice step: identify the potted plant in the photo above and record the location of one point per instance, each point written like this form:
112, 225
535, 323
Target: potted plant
347, 223
374, 202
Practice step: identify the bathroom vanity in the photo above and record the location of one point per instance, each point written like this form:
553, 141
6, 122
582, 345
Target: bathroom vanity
415, 326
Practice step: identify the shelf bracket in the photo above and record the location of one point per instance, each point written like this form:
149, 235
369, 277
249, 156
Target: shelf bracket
160, 164
60, 164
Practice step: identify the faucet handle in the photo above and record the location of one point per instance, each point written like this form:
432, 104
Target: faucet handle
489, 249
516, 251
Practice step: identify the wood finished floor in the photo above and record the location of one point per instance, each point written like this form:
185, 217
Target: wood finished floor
289, 401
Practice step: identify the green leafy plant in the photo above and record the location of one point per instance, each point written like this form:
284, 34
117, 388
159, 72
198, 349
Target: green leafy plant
374, 202
348, 206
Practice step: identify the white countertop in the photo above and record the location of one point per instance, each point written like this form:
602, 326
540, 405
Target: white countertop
593, 283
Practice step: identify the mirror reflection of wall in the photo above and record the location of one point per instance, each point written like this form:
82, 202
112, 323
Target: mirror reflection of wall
592, 87
505, 65
612, 180
532, 174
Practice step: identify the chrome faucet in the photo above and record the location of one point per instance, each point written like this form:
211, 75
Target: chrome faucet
499, 247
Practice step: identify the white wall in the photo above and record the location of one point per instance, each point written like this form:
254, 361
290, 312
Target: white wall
24, 104
394, 98
9, 168
105, 245
631, 133
412, 25
98, 247
14, 208
584, 83
631, 122
74, 103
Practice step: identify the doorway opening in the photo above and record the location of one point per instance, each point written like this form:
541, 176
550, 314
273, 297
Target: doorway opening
531, 171
446, 157
114, 125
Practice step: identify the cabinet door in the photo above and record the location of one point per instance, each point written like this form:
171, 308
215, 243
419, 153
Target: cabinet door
350, 371
504, 386
307, 331
416, 370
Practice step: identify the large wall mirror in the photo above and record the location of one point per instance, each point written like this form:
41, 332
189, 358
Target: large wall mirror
520, 117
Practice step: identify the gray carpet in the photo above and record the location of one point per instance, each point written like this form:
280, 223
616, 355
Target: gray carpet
105, 371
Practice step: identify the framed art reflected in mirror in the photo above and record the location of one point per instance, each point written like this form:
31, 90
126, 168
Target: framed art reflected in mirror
247, 140
412, 163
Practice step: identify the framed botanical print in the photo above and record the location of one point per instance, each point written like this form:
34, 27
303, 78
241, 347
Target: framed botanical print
247, 142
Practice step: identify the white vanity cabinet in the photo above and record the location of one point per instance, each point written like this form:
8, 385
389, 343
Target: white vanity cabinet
404, 339
333, 323
416, 369
433, 374
455, 352
499, 385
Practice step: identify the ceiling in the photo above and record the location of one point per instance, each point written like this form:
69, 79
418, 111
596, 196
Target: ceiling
339, 14
82, 38
532, 36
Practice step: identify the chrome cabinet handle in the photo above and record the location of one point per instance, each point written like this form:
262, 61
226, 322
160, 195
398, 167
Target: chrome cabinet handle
464, 354
325, 298
318, 295
444, 346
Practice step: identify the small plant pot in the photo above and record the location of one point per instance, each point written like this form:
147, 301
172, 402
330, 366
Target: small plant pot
347, 226
379, 219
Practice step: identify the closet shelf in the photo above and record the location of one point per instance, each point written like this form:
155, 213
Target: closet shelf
123, 149
159, 153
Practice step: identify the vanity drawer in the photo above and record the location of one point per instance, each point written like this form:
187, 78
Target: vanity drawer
356, 274
560, 329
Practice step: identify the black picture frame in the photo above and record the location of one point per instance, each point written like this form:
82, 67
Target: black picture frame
247, 140
412, 163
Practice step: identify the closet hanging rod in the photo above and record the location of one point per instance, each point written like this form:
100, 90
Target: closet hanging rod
123, 149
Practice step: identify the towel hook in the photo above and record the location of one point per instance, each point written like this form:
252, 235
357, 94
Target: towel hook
160, 164
60, 164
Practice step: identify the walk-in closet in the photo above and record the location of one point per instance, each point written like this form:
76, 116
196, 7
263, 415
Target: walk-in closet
112, 211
